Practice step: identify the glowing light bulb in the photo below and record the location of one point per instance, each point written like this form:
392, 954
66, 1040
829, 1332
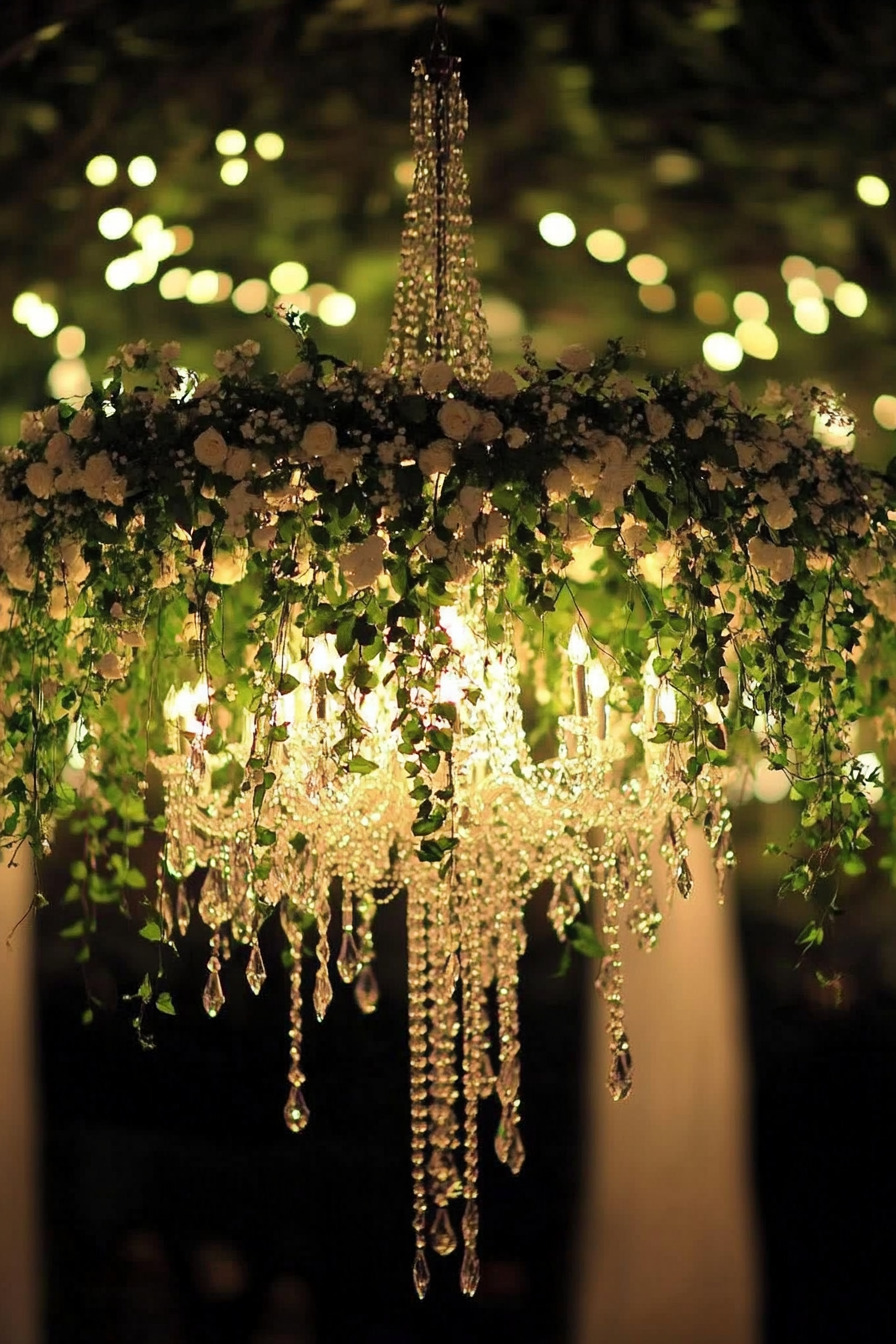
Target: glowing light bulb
142, 170
101, 170
337, 310
115, 223
230, 142
269, 145
722, 352
872, 190
598, 684
606, 245
667, 703
577, 649
234, 171
557, 229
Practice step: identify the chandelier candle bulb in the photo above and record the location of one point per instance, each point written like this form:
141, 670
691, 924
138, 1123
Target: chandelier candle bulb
577, 649
598, 685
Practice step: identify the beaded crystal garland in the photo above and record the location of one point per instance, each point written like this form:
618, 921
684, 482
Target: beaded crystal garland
433, 634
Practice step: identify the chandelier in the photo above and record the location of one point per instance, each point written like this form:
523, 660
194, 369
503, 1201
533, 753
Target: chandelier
433, 633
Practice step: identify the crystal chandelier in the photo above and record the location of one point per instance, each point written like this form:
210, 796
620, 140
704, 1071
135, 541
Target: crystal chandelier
335, 614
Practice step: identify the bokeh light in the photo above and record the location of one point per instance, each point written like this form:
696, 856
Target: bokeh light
145, 227
797, 268
251, 296
101, 170
750, 306
173, 284
70, 342
115, 223
710, 307
504, 318
42, 320
68, 379
803, 288
234, 171
142, 170
872, 190
606, 245
884, 410
183, 239
203, 287
289, 277
24, 304
657, 298
230, 142
557, 229
850, 299
722, 351
403, 172
647, 269
337, 310
757, 339
269, 145
812, 315
122, 272
675, 168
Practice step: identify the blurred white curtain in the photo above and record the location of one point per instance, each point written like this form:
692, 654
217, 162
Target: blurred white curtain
668, 1249
20, 1313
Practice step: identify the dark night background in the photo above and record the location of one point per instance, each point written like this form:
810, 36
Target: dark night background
176, 1205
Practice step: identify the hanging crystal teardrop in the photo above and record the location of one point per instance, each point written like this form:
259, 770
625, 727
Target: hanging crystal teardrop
348, 963
620, 1079
213, 994
296, 1112
469, 1272
166, 911
323, 992
442, 1237
421, 1273
367, 991
255, 971
516, 1152
182, 910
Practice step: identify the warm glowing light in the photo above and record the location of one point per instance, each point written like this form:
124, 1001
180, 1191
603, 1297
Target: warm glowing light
183, 239
230, 142
813, 315
629, 217
667, 703
504, 318
872, 775
647, 269
722, 352
850, 299
145, 227
269, 145
43, 320
142, 170
122, 272
233, 172
173, 284
160, 245
115, 223
337, 310
577, 648
803, 288
750, 306
316, 294
251, 296
203, 287
606, 245
797, 268
597, 680
757, 339
658, 298
770, 786
885, 411
710, 307
289, 277
24, 305
68, 378
187, 707
101, 170
827, 279
557, 229
403, 172
225, 287
674, 168
872, 190
70, 342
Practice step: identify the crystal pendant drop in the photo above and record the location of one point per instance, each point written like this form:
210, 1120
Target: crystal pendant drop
421, 1273
167, 914
503, 1134
348, 963
516, 1153
683, 878
508, 1084
255, 971
213, 994
296, 1112
323, 992
620, 1080
367, 991
486, 1076
469, 1272
470, 1221
442, 1237
183, 911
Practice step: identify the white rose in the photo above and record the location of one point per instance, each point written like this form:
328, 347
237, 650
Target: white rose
585, 471
500, 384
433, 546
230, 566
31, 428
237, 463
58, 605
495, 527
515, 437
319, 439
210, 449
558, 483
299, 373
167, 571
74, 568
489, 428
458, 420
576, 358
82, 425
659, 421
58, 451
263, 538
40, 479
470, 501
207, 388
436, 377
109, 666
779, 512
132, 639
362, 565
778, 560
340, 467
437, 458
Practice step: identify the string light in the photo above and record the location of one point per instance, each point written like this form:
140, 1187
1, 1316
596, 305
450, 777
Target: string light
115, 223
269, 145
872, 190
337, 310
647, 269
750, 306
757, 339
289, 277
173, 284
101, 170
251, 296
234, 171
850, 299
230, 142
142, 170
557, 229
722, 351
605, 245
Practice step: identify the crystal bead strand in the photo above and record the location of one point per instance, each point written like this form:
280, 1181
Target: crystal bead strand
295, 1112
508, 1140
417, 1033
213, 994
323, 990
473, 1053
348, 963
367, 991
609, 980
442, 969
